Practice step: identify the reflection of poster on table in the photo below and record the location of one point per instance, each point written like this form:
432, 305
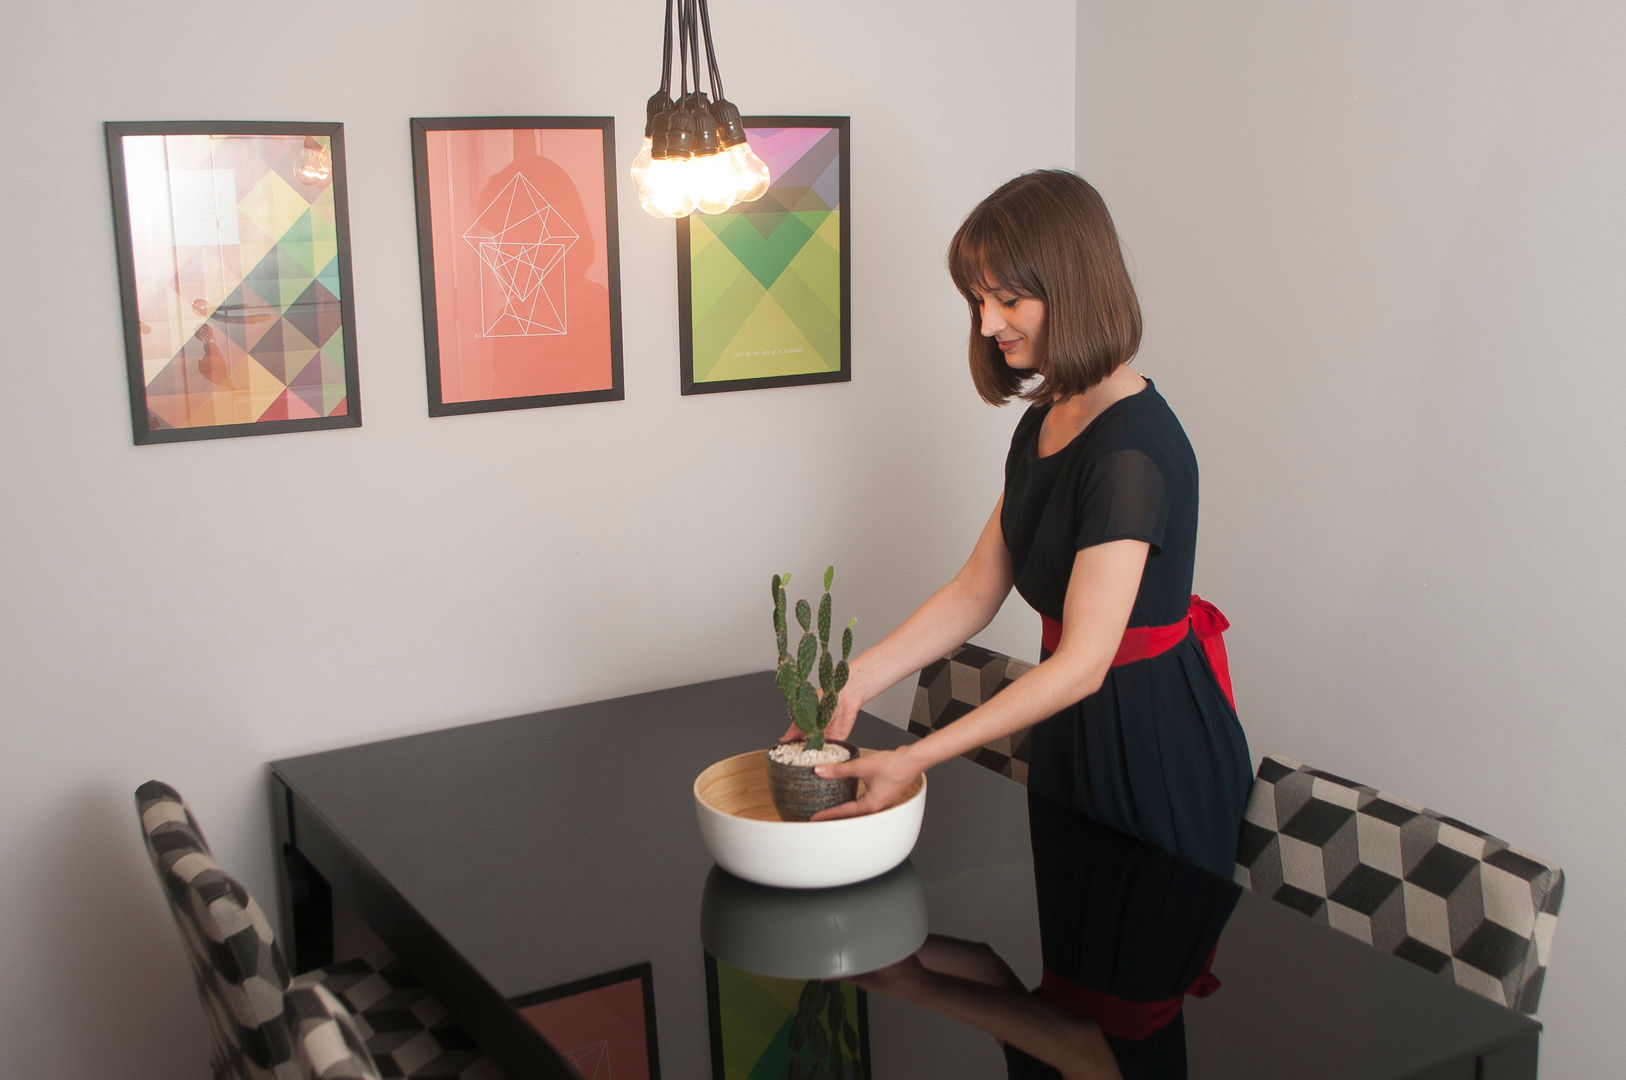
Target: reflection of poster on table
234, 265
519, 260
604, 1026
763, 287
784, 1028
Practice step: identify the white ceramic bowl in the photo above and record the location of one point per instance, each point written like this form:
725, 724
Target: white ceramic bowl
746, 837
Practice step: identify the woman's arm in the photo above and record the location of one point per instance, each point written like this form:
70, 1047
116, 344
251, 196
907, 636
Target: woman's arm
966, 989
1100, 595
948, 619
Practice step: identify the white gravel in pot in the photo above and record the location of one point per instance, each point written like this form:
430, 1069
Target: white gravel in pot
799, 754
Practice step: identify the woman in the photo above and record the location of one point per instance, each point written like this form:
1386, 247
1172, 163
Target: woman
1096, 529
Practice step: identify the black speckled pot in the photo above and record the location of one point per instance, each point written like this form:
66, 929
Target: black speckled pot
798, 793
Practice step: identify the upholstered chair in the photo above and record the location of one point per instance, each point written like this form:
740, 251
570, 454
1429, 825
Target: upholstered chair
1427, 888
959, 682
358, 1020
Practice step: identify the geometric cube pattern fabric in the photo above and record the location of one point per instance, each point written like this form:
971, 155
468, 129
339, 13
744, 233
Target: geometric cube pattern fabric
408, 1032
1414, 883
959, 682
350, 1021
237, 283
326, 1034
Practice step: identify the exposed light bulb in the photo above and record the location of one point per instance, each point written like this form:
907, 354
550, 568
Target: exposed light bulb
713, 183
729, 167
753, 172
641, 164
668, 192
648, 206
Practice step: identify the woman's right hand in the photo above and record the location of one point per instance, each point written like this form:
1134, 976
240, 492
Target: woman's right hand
886, 775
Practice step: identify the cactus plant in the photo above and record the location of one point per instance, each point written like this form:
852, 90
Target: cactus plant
810, 710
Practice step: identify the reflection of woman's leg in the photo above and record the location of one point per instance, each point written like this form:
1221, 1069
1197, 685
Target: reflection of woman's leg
974, 960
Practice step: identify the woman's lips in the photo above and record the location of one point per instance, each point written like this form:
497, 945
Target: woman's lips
1009, 346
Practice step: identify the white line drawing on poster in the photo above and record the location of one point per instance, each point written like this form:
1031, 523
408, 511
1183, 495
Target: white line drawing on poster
522, 241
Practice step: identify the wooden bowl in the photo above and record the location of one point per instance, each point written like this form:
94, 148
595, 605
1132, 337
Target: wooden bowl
746, 836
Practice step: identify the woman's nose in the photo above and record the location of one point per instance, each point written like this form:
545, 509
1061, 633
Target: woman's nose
991, 321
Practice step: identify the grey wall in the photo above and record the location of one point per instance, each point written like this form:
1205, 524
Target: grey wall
1379, 248
193, 611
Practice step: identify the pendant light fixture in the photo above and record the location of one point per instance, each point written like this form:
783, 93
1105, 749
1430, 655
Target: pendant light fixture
695, 155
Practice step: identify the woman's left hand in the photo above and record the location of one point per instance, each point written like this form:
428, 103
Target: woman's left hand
853, 697
886, 774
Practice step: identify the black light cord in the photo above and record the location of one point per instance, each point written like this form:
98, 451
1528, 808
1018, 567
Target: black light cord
685, 43
716, 78
666, 53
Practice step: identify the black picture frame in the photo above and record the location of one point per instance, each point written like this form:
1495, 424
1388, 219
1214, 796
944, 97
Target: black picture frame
790, 194
216, 348
461, 346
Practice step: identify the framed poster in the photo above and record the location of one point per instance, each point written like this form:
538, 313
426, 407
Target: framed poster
520, 261
792, 1028
763, 288
604, 1026
234, 271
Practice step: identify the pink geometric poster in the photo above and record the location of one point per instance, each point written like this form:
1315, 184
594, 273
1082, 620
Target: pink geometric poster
603, 1026
519, 260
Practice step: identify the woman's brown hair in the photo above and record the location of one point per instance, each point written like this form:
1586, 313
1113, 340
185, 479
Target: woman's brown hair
1048, 235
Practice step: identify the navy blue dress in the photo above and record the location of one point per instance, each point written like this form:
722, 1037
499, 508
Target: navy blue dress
1157, 752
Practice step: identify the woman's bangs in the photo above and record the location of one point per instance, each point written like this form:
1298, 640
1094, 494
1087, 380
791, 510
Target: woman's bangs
981, 260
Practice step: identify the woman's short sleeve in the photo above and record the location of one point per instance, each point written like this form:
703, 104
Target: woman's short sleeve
1123, 497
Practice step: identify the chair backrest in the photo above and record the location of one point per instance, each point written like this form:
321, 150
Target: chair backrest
258, 1029
1422, 886
959, 682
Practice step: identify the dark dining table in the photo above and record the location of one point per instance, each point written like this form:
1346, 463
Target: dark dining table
522, 866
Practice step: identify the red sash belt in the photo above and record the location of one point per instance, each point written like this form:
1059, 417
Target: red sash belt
1120, 1017
1140, 642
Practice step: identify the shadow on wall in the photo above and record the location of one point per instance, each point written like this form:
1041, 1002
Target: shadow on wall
90, 904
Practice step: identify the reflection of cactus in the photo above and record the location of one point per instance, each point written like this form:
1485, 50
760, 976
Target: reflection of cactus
823, 1038
810, 710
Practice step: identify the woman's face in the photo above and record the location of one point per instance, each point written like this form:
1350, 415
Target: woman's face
1016, 323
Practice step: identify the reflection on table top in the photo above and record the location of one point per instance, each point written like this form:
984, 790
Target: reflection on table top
551, 848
